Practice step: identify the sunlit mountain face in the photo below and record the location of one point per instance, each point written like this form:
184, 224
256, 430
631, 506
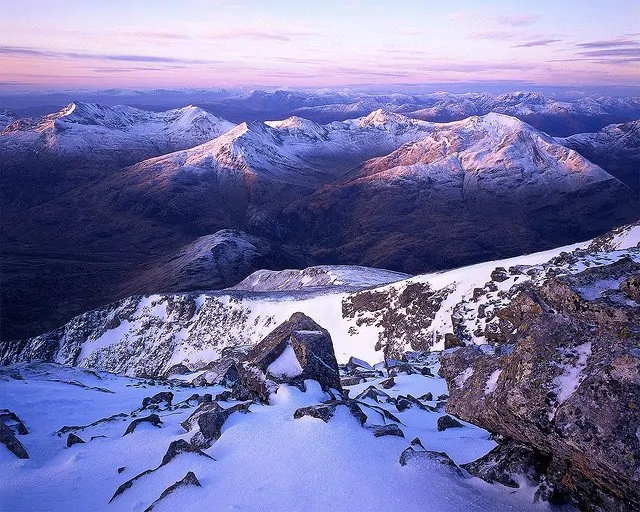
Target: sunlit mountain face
395, 244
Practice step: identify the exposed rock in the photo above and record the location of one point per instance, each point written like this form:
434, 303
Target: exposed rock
569, 386
205, 406
499, 275
206, 398
189, 480
222, 371
446, 421
374, 394
113, 417
312, 348
121, 469
211, 421
8, 439
427, 397
508, 461
387, 430
154, 419
388, 383
417, 454
158, 398
355, 364
452, 341
326, 410
11, 420
73, 439
175, 448
177, 369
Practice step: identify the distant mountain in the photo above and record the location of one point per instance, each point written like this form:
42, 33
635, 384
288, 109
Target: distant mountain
615, 148
91, 131
6, 118
471, 190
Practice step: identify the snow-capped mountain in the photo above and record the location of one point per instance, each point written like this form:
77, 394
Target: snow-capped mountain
615, 148
147, 335
295, 151
92, 131
6, 118
486, 185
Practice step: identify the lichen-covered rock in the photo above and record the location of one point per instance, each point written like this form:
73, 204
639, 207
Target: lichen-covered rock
568, 385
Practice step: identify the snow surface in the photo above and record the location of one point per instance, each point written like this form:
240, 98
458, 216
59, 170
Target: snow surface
286, 365
264, 460
567, 383
492, 382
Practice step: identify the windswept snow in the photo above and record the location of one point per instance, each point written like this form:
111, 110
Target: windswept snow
567, 383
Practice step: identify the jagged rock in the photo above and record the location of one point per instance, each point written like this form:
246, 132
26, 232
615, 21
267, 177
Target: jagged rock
387, 430
631, 287
192, 420
355, 364
222, 371
507, 461
499, 274
154, 419
405, 402
211, 421
158, 398
374, 394
326, 410
207, 397
175, 448
426, 371
121, 469
388, 383
568, 387
8, 439
443, 397
113, 417
189, 480
181, 446
177, 369
253, 384
11, 420
351, 381
73, 439
417, 454
446, 421
452, 341
303, 349
427, 397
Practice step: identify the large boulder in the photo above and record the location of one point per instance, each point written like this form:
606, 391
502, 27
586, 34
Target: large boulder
566, 385
296, 350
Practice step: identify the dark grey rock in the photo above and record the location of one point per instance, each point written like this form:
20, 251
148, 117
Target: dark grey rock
388, 430
73, 439
211, 421
154, 419
158, 398
570, 386
189, 480
446, 421
388, 383
8, 439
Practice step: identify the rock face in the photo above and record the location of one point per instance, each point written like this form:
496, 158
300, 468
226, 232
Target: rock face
296, 350
566, 382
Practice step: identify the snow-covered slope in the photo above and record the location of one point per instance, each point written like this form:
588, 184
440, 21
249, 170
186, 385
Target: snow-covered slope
148, 335
256, 462
90, 130
320, 276
616, 148
295, 150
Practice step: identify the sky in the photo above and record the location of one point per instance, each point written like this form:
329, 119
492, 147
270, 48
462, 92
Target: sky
324, 43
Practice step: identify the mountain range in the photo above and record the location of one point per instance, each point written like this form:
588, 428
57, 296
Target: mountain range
101, 202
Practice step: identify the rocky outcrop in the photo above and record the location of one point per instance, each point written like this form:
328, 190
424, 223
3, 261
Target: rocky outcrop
189, 480
153, 419
296, 350
8, 438
566, 383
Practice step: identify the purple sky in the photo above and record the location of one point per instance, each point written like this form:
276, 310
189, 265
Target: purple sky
163, 43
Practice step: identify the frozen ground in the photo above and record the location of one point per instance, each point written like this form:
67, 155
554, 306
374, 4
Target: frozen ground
264, 460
